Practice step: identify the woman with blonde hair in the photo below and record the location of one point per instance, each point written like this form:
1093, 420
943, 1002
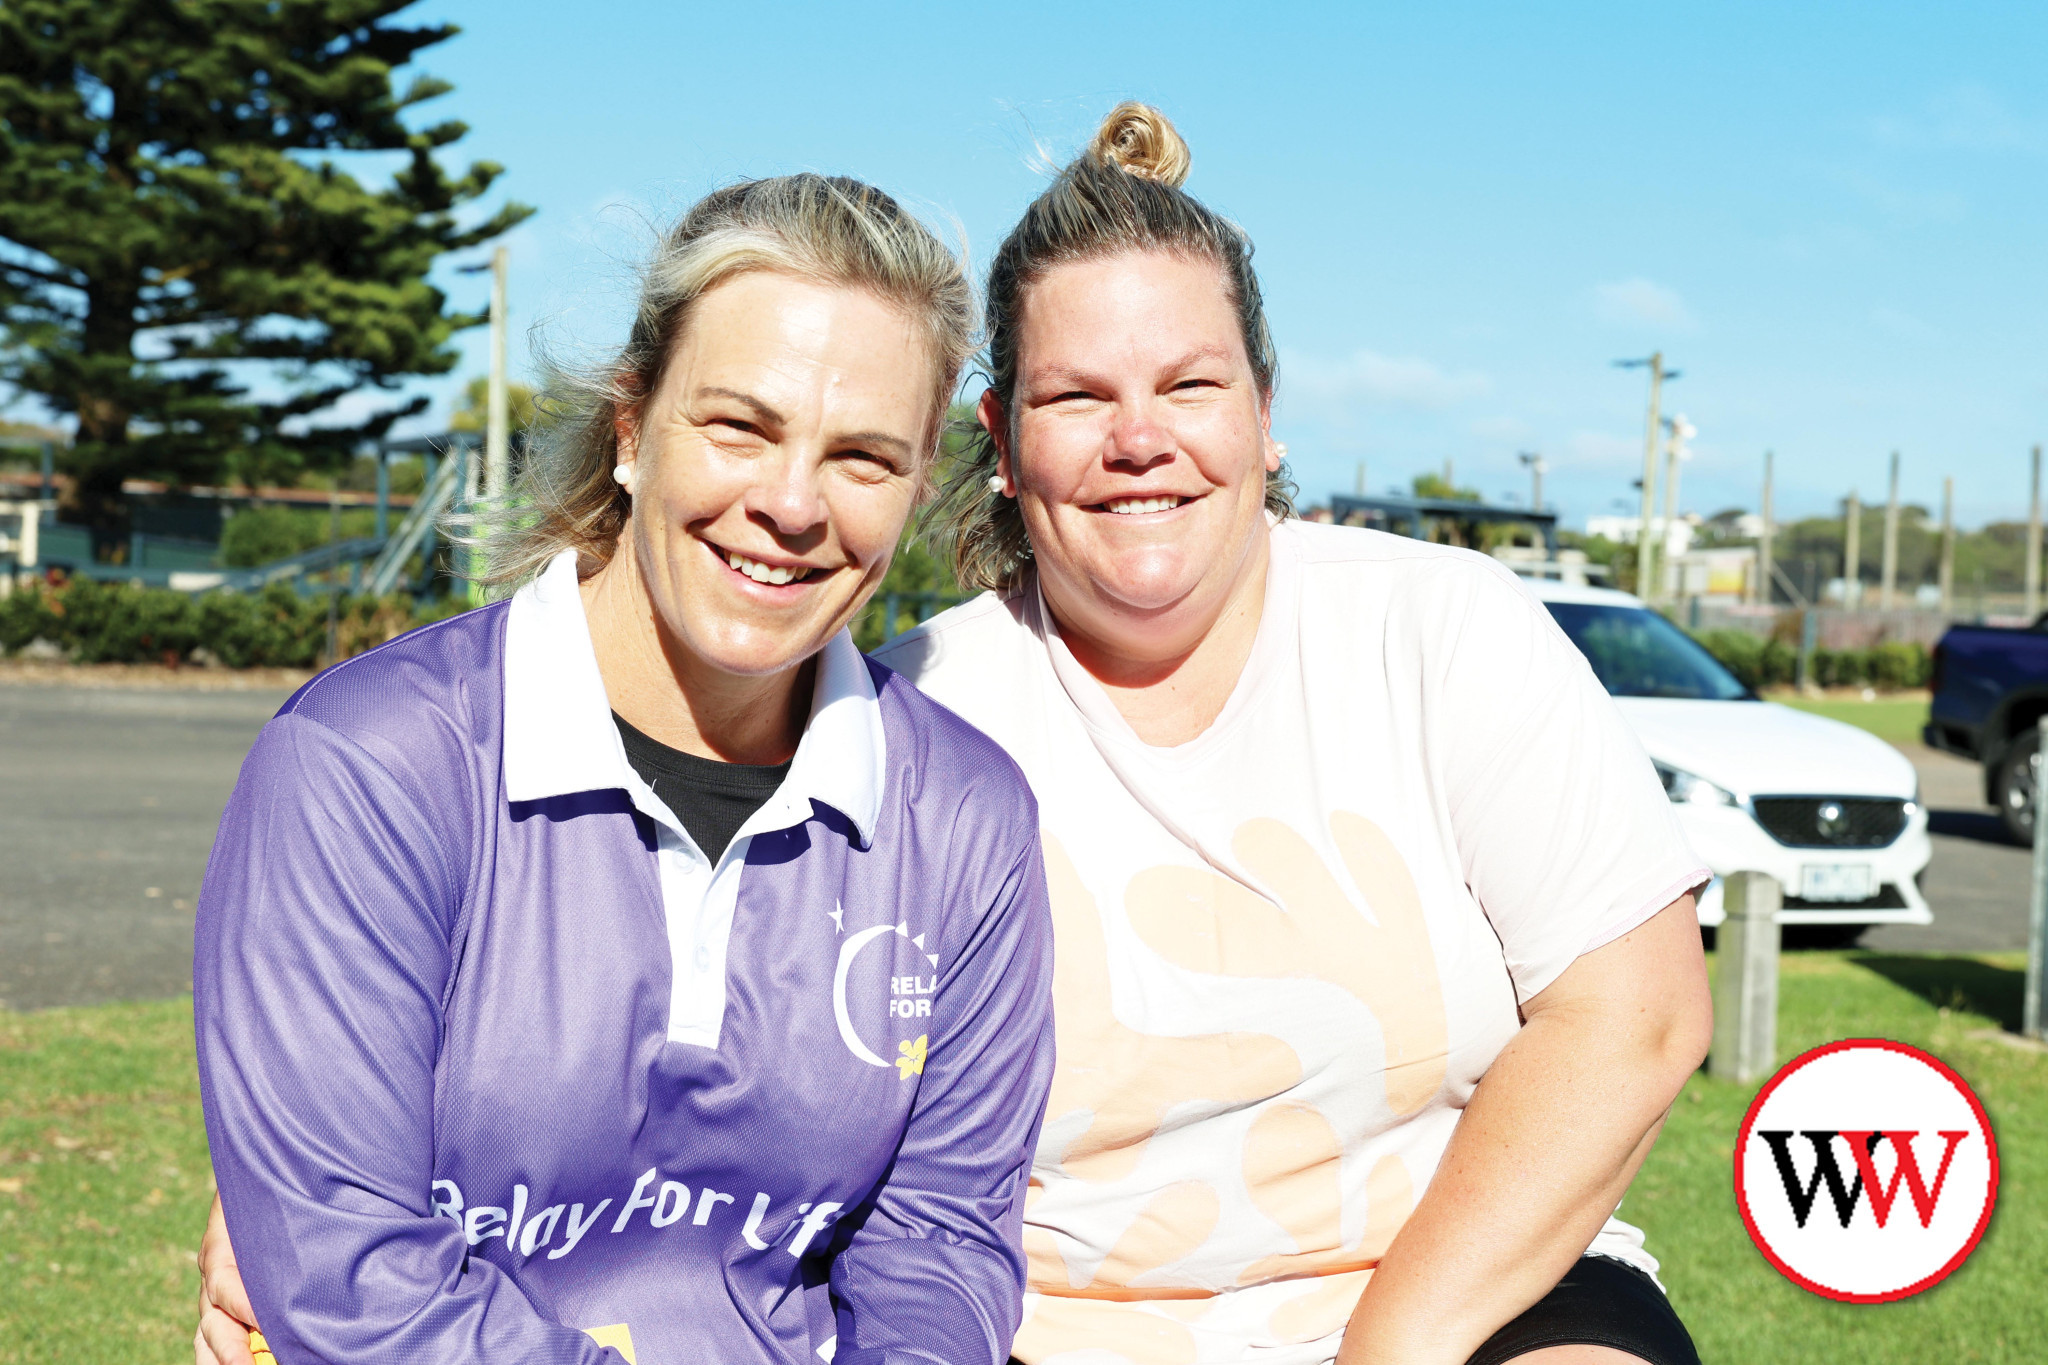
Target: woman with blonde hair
1377, 964
630, 970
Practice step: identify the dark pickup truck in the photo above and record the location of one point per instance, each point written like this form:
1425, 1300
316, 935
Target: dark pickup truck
1990, 692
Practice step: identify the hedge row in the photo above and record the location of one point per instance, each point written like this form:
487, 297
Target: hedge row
1773, 663
93, 622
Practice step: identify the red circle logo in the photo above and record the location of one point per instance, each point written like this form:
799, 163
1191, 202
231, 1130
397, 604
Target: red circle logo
1866, 1170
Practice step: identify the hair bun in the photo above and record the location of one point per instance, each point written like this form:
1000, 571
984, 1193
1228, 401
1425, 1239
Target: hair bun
1139, 140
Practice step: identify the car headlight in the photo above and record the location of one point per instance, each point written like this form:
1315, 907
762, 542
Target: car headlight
1689, 789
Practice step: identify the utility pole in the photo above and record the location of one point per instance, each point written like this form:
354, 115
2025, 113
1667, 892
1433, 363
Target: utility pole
1888, 576
1654, 362
1947, 571
1763, 541
1852, 552
498, 429
1536, 465
2034, 541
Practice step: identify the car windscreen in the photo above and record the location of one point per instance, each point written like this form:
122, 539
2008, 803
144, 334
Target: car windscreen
1637, 653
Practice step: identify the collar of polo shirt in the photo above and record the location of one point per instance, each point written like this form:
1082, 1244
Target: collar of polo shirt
560, 738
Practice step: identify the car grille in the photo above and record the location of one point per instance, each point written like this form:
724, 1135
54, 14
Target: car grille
1831, 821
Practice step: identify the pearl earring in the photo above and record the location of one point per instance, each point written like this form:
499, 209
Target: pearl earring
623, 473
995, 483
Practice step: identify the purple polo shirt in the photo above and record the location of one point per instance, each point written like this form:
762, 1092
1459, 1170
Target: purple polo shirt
498, 1065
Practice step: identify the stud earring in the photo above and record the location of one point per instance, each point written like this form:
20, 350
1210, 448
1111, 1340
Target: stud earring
623, 474
995, 483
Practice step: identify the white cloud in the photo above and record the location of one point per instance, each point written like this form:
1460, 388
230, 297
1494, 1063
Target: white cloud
1902, 325
1908, 205
1968, 118
1336, 388
1502, 429
1603, 450
1639, 302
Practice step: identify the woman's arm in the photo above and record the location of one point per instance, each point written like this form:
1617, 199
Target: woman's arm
933, 1270
323, 950
1546, 1148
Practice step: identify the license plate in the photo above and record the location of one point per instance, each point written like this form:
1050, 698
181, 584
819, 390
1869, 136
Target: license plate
1836, 882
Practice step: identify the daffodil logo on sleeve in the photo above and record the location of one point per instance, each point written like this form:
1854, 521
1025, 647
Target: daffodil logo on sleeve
1834, 1141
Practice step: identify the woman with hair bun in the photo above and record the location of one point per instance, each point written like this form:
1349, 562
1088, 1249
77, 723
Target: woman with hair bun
1376, 959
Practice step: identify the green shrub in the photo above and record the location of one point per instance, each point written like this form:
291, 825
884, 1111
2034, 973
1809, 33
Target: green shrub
26, 614
98, 622
274, 628
114, 623
1760, 663
1780, 664
258, 535
267, 533
1897, 665
1739, 652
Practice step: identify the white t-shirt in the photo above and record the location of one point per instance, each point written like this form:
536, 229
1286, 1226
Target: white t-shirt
1288, 949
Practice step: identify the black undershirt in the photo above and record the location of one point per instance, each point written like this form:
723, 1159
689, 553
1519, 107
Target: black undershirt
712, 799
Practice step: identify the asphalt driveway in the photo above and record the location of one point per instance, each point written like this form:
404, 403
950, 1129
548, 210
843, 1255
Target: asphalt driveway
109, 798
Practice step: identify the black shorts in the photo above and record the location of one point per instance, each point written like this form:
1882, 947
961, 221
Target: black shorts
1599, 1302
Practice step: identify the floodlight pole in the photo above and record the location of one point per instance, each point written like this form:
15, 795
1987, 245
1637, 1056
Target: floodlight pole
1654, 362
1536, 463
1948, 548
1852, 552
1677, 432
1888, 574
2033, 569
1763, 543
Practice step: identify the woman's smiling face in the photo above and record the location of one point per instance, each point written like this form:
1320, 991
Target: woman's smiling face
1141, 443
773, 467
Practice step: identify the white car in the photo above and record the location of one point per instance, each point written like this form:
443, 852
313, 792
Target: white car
1831, 812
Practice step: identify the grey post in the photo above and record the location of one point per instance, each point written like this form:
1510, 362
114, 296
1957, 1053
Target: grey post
2037, 907
1809, 639
1746, 986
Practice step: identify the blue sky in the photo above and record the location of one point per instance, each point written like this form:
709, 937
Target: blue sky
1829, 216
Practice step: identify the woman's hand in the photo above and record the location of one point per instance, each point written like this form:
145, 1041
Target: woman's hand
225, 1316
1546, 1148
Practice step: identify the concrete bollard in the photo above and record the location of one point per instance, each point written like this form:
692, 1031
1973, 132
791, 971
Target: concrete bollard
1746, 985
2031, 1025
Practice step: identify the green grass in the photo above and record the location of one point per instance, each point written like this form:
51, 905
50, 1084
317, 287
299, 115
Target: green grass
1889, 718
99, 1122
1739, 1309
104, 1185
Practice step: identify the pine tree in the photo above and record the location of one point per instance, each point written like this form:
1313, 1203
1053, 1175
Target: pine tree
184, 267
